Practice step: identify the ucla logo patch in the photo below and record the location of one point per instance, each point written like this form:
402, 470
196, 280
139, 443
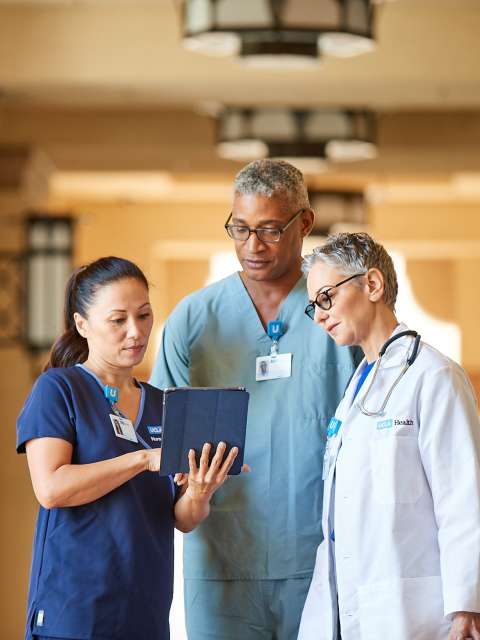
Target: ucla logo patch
333, 427
385, 424
155, 430
111, 394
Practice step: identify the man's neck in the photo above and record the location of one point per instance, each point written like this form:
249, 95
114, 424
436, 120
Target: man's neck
268, 295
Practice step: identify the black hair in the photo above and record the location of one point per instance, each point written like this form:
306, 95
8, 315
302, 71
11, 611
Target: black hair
71, 348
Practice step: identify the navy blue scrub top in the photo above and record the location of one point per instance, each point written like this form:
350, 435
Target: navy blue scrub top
104, 569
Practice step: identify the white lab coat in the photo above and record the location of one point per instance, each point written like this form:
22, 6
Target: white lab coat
403, 500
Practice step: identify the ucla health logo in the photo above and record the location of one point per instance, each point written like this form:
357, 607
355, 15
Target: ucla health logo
333, 427
385, 424
155, 430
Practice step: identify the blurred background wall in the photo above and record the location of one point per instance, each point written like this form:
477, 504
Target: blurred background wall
106, 120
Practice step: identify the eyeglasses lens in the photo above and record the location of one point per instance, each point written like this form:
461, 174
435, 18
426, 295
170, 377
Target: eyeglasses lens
268, 235
310, 310
243, 233
324, 301
238, 233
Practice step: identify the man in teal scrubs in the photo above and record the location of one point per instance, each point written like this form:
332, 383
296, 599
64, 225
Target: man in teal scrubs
248, 566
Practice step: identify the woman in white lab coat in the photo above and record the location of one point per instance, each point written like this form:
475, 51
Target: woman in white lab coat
400, 559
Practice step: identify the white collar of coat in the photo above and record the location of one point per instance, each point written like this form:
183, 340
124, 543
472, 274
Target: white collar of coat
395, 355
398, 352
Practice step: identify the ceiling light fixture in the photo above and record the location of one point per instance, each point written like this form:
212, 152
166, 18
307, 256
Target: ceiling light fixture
339, 211
287, 32
338, 135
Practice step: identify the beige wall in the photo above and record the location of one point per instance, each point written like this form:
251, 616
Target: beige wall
441, 240
17, 500
434, 284
17, 371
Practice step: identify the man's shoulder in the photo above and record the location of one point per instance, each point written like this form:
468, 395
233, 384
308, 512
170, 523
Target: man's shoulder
214, 289
203, 298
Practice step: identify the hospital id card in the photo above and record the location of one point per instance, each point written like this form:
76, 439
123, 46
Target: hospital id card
273, 367
123, 428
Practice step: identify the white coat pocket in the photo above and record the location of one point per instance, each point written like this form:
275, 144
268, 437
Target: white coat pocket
397, 472
403, 609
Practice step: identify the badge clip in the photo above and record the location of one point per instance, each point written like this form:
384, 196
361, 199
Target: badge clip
111, 394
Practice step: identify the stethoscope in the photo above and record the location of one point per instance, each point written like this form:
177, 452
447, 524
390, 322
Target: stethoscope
408, 363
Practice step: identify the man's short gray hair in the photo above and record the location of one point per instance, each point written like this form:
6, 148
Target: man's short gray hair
356, 253
273, 178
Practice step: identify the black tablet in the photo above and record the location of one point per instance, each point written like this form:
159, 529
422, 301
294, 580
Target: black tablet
195, 415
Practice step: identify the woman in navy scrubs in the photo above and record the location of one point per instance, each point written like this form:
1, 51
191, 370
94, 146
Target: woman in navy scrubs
103, 550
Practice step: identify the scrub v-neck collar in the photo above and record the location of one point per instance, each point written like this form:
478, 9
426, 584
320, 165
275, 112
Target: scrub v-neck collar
99, 382
245, 304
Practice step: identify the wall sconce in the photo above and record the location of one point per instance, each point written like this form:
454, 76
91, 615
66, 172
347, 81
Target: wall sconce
11, 298
244, 134
278, 31
48, 265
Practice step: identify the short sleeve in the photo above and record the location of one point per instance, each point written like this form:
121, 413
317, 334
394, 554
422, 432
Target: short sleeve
47, 412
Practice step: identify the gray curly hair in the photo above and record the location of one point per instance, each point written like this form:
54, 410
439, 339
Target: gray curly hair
273, 178
356, 253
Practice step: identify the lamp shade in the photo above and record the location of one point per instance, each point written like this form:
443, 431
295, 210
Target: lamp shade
331, 134
48, 266
338, 211
278, 29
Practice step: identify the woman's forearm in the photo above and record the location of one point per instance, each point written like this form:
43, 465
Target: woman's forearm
72, 485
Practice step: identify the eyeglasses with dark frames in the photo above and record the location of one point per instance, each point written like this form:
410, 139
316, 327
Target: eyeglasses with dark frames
324, 300
241, 232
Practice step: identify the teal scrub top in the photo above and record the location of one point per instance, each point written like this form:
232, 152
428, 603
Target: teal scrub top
265, 524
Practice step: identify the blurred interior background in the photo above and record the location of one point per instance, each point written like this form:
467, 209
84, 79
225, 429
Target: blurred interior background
120, 135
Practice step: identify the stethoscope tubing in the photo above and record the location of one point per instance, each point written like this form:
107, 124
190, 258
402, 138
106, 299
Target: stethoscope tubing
408, 363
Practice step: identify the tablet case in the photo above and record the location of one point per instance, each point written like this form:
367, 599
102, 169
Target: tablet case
195, 415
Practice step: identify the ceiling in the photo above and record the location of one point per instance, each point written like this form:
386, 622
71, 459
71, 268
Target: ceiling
128, 54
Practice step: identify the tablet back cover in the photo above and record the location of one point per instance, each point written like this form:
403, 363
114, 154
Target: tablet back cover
193, 416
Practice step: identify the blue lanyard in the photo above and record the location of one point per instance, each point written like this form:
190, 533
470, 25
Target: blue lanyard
111, 394
275, 330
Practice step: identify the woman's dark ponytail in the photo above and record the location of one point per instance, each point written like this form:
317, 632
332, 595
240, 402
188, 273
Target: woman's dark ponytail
71, 348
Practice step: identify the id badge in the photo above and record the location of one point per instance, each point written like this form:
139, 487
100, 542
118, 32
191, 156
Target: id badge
123, 428
273, 367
